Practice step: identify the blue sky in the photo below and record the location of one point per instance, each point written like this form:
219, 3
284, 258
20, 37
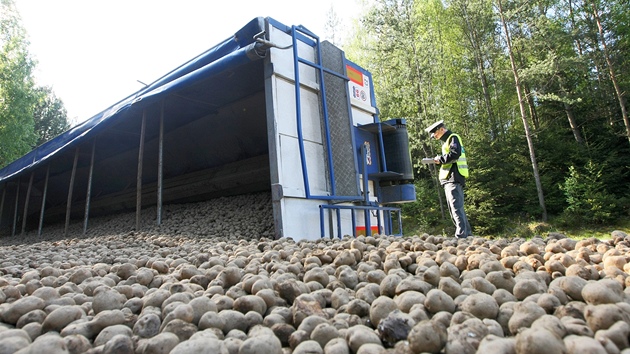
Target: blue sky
93, 52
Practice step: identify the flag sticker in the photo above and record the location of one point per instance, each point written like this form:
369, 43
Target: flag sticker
354, 75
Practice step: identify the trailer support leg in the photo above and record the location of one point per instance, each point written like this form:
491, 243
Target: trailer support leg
41, 213
160, 167
88, 194
4, 192
139, 179
15, 210
71, 188
28, 197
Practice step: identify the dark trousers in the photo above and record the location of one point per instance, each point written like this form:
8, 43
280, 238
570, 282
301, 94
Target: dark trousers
455, 199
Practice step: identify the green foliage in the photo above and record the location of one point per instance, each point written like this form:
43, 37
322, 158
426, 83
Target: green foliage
423, 215
448, 60
29, 115
587, 197
481, 208
17, 99
51, 118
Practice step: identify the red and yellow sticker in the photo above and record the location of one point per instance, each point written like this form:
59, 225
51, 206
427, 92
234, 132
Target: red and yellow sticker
354, 75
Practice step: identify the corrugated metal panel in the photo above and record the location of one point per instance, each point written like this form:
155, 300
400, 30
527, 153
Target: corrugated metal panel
343, 157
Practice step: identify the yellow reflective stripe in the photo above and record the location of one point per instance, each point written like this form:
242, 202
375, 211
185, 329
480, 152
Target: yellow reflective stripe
461, 162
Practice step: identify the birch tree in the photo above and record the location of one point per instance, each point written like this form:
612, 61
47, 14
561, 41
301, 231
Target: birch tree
521, 103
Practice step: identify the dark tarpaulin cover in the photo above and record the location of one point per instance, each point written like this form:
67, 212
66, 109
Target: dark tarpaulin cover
231, 52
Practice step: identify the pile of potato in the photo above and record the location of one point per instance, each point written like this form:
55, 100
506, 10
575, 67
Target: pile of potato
194, 289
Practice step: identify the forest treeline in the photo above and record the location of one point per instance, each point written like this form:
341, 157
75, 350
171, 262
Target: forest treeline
537, 89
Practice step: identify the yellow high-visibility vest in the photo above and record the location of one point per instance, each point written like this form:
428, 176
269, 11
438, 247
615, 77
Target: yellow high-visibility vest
462, 164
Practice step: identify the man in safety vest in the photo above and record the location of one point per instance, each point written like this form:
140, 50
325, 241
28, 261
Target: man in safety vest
452, 175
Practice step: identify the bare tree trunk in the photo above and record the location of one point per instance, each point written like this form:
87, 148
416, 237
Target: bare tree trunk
574, 128
611, 70
578, 44
473, 39
528, 95
422, 110
521, 104
532, 107
568, 109
436, 181
601, 92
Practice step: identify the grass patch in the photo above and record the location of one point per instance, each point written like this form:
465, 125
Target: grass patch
520, 229
578, 230
575, 230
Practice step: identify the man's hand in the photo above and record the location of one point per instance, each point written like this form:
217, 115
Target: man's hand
437, 160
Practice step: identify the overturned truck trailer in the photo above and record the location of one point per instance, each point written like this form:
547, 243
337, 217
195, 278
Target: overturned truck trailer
271, 109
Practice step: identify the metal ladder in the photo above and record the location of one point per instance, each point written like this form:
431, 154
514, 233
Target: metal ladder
300, 33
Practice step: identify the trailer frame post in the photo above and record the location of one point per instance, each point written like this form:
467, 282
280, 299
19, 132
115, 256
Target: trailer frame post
340, 234
88, 194
366, 191
321, 221
15, 210
41, 213
139, 177
4, 192
71, 189
160, 186
26, 201
354, 222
